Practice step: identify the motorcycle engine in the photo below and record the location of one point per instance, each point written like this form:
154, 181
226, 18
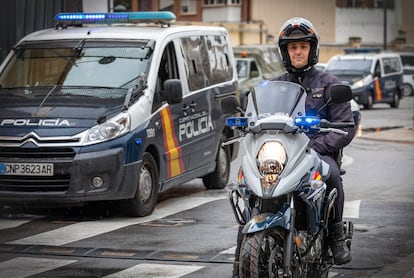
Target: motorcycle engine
315, 251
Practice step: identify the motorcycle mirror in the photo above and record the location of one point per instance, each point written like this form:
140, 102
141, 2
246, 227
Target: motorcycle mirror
340, 93
230, 105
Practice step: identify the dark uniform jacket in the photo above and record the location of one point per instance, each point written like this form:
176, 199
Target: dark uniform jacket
317, 84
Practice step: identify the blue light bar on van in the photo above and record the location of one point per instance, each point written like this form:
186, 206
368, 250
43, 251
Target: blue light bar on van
236, 121
113, 18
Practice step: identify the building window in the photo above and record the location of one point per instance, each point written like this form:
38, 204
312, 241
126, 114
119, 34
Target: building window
214, 2
365, 4
166, 5
188, 6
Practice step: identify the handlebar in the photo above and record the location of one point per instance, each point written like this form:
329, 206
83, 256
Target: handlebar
327, 124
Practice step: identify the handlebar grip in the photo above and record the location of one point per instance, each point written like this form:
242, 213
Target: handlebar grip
342, 124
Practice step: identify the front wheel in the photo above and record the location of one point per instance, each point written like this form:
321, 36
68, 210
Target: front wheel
261, 254
219, 178
146, 195
370, 102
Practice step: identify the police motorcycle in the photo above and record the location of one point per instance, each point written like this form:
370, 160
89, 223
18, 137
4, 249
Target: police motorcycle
281, 197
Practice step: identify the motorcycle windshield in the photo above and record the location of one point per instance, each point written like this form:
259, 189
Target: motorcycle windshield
276, 98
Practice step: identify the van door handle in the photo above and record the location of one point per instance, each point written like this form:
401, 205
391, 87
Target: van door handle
193, 105
185, 109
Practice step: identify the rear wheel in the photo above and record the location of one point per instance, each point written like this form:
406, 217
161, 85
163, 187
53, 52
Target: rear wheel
314, 271
219, 178
395, 101
261, 254
407, 90
146, 195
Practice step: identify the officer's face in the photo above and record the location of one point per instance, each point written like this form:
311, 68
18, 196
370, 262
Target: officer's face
298, 53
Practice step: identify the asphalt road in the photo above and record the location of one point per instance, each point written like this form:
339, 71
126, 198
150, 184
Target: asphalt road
192, 232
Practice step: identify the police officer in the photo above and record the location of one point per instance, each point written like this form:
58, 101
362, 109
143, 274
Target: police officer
299, 49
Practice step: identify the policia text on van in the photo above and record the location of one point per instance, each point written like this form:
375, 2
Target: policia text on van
113, 111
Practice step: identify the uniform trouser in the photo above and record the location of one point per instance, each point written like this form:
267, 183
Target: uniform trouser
334, 181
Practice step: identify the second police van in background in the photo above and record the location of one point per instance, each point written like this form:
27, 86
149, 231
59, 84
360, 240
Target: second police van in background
373, 77
103, 108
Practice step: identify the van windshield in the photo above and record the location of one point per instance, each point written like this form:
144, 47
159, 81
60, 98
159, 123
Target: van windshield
80, 63
349, 66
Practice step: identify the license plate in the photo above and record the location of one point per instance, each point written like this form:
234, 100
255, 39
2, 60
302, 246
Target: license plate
26, 169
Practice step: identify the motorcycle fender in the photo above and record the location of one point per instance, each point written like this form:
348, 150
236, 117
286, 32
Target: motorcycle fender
265, 221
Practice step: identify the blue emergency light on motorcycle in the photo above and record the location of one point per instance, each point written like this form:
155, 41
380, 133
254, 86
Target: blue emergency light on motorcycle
162, 17
236, 121
307, 121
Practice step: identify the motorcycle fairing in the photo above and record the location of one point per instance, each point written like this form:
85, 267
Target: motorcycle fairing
265, 221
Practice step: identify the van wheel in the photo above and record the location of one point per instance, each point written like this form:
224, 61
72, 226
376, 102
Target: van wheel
407, 90
369, 103
146, 196
395, 101
219, 178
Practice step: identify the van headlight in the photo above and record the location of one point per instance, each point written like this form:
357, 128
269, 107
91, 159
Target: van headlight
108, 130
358, 84
271, 162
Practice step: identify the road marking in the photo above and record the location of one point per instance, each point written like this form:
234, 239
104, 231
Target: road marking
351, 209
347, 160
156, 271
24, 267
87, 229
12, 223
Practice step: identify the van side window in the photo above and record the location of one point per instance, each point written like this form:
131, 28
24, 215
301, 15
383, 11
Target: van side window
168, 70
377, 70
221, 68
206, 61
391, 65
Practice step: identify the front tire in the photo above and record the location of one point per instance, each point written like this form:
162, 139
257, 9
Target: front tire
261, 254
146, 196
370, 102
219, 178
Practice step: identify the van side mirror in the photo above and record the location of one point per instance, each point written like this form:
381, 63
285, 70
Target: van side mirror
340, 93
230, 105
173, 91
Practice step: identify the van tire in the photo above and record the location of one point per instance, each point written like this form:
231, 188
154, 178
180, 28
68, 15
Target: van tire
146, 195
219, 178
407, 90
395, 101
370, 102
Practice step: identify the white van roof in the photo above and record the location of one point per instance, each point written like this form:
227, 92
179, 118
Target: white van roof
127, 32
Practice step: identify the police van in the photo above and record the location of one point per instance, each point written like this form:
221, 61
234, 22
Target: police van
114, 106
373, 77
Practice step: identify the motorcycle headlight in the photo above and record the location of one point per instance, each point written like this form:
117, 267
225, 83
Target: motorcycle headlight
271, 159
110, 129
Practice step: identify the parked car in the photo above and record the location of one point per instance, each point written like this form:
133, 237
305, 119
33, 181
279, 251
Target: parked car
102, 109
408, 80
256, 63
320, 66
373, 77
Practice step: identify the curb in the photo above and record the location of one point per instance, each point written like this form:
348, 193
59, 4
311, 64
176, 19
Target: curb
404, 135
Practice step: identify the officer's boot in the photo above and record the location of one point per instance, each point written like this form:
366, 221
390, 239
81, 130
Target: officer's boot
340, 250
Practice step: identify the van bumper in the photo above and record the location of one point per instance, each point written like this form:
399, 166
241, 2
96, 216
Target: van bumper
73, 179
